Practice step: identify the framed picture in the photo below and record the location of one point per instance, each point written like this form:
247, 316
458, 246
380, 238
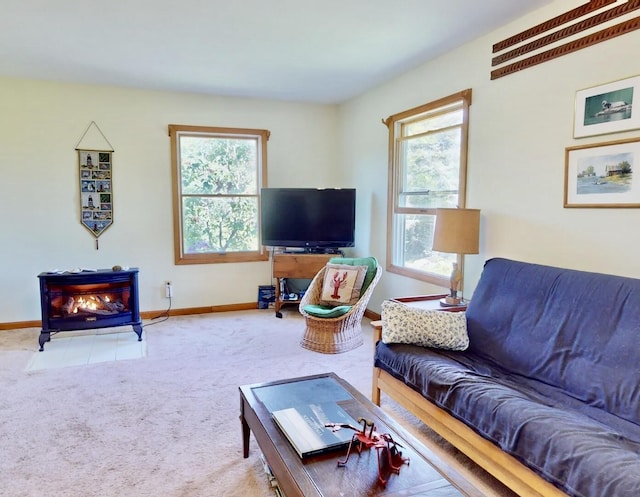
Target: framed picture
607, 108
602, 174
96, 202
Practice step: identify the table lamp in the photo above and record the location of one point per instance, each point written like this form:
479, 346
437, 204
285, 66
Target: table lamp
457, 232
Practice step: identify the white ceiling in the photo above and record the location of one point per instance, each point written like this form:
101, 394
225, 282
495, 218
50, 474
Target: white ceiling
323, 51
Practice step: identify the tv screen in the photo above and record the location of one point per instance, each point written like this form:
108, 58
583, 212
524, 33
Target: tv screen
309, 218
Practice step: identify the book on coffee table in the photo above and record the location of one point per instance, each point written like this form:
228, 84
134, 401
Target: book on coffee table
304, 426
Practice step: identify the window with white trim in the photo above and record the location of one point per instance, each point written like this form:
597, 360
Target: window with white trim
217, 177
428, 166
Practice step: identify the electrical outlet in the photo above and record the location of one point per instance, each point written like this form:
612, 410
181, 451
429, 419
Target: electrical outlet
168, 290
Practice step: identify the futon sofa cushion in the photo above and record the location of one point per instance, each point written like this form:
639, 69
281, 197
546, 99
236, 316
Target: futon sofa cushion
574, 330
541, 426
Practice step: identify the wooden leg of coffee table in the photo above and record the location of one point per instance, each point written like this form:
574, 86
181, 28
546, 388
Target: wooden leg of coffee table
246, 431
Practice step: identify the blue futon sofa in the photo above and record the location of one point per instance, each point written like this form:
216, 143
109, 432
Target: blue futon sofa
547, 395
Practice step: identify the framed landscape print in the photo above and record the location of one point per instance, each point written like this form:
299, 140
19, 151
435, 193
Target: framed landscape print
607, 108
602, 174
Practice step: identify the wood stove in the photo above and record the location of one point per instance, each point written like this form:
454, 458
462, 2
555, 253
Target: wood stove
88, 299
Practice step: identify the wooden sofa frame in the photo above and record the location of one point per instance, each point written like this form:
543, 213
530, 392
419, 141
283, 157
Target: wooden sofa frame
505, 468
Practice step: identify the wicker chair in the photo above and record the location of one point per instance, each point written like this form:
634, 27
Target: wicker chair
339, 334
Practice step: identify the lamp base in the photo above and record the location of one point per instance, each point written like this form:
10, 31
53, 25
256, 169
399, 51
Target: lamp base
452, 301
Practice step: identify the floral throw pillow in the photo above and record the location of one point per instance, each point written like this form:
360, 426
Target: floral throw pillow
342, 284
437, 329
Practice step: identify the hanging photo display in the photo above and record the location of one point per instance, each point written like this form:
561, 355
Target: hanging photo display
96, 195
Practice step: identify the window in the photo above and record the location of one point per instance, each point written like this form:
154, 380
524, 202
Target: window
428, 154
217, 176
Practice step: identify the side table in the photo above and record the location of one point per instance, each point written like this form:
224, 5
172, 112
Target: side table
431, 303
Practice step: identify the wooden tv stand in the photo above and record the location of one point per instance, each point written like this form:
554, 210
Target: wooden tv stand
295, 265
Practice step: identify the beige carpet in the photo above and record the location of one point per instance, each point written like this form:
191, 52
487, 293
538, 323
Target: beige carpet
165, 424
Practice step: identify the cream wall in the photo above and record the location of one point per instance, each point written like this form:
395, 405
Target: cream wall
519, 127
40, 124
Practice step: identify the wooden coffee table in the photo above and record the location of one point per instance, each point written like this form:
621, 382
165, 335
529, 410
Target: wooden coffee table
425, 475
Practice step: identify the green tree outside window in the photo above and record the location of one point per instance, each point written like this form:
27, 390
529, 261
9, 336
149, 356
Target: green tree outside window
218, 174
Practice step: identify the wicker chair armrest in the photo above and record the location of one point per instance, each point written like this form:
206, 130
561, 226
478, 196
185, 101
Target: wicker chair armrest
313, 293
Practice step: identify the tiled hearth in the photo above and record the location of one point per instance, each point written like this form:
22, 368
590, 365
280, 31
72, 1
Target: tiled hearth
81, 348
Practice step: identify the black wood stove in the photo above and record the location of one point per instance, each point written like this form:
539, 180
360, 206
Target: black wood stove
89, 299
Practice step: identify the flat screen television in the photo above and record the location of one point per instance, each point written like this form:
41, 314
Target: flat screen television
314, 219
